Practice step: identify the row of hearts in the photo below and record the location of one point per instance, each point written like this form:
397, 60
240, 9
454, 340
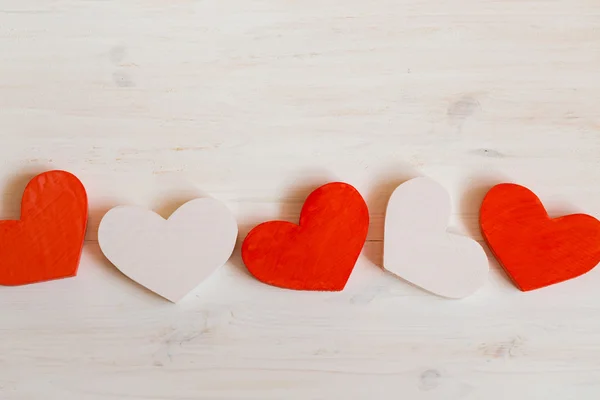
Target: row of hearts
171, 257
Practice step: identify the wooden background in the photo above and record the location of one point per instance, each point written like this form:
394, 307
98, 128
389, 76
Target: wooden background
256, 103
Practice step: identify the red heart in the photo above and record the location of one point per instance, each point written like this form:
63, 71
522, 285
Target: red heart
318, 254
534, 249
47, 241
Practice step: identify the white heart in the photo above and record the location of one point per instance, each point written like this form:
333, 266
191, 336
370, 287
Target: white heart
169, 257
418, 249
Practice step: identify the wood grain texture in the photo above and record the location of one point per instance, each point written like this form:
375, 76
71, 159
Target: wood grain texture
321, 251
46, 242
257, 103
418, 248
535, 250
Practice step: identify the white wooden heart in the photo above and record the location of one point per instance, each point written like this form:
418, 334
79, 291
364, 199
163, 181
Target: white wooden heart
418, 249
169, 257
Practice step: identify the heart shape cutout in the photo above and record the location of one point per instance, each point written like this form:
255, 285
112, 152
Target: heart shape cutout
418, 249
169, 257
46, 243
535, 250
318, 254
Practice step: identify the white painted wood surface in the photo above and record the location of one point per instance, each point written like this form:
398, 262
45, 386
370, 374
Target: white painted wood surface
256, 103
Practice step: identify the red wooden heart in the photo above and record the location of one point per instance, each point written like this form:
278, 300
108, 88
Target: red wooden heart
534, 249
47, 241
318, 254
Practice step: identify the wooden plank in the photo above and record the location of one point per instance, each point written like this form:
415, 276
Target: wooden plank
256, 103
